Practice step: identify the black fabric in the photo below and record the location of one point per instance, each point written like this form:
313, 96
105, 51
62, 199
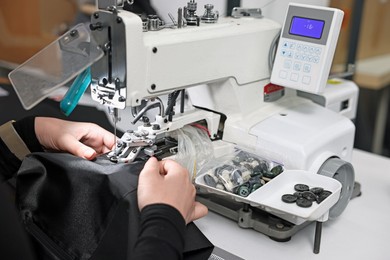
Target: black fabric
26, 130
78, 209
14, 244
9, 163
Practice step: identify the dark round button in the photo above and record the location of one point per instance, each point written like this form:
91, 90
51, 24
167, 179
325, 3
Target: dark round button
304, 203
301, 187
317, 190
243, 191
278, 169
289, 198
309, 195
323, 195
298, 194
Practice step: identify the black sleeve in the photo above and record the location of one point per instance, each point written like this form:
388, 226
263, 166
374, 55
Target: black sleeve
26, 130
9, 163
161, 233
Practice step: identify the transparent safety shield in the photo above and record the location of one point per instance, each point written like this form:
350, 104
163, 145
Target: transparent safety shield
55, 65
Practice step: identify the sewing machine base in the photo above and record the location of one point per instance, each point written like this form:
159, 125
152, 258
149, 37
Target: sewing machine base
272, 226
247, 216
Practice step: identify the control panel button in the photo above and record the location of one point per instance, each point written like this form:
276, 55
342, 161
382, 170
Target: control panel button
306, 68
294, 76
287, 64
297, 66
283, 74
306, 80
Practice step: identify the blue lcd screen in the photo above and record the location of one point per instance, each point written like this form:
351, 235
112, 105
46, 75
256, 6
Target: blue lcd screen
307, 27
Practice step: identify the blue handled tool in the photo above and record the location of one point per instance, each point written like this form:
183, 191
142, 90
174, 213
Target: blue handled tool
72, 97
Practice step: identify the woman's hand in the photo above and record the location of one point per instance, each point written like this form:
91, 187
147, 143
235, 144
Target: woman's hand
169, 183
86, 140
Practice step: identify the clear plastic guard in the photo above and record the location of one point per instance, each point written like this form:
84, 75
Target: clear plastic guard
55, 65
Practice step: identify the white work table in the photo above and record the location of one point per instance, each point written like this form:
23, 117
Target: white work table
361, 232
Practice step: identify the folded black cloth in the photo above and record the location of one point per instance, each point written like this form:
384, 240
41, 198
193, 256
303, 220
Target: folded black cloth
80, 209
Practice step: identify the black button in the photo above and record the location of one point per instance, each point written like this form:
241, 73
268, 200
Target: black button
317, 190
301, 187
309, 195
289, 198
304, 203
323, 195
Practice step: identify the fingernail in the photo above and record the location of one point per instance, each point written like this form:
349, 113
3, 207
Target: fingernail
89, 154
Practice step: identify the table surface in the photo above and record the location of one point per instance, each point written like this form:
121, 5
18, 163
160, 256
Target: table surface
360, 232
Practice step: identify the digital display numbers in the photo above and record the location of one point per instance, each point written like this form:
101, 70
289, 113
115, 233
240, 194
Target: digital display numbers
306, 27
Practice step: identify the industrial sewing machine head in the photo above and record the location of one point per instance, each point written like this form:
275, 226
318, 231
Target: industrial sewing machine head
224, 64
145, 59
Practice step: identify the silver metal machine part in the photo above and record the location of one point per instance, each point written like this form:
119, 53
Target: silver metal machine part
209, 15
190, 13
109, 73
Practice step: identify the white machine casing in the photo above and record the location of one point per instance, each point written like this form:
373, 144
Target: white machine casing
306, 48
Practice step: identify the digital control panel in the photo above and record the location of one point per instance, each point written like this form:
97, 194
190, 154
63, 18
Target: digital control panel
306, 47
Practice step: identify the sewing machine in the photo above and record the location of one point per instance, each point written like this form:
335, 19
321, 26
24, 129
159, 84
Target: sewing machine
224, 66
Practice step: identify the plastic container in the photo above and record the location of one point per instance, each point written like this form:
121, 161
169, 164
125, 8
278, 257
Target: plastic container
268, 196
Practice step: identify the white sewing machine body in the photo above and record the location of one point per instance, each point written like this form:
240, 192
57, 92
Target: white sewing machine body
230, 59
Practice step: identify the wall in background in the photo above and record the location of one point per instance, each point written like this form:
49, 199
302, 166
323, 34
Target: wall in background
28, 26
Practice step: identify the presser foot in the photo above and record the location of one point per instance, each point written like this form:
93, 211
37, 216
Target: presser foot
125, 153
